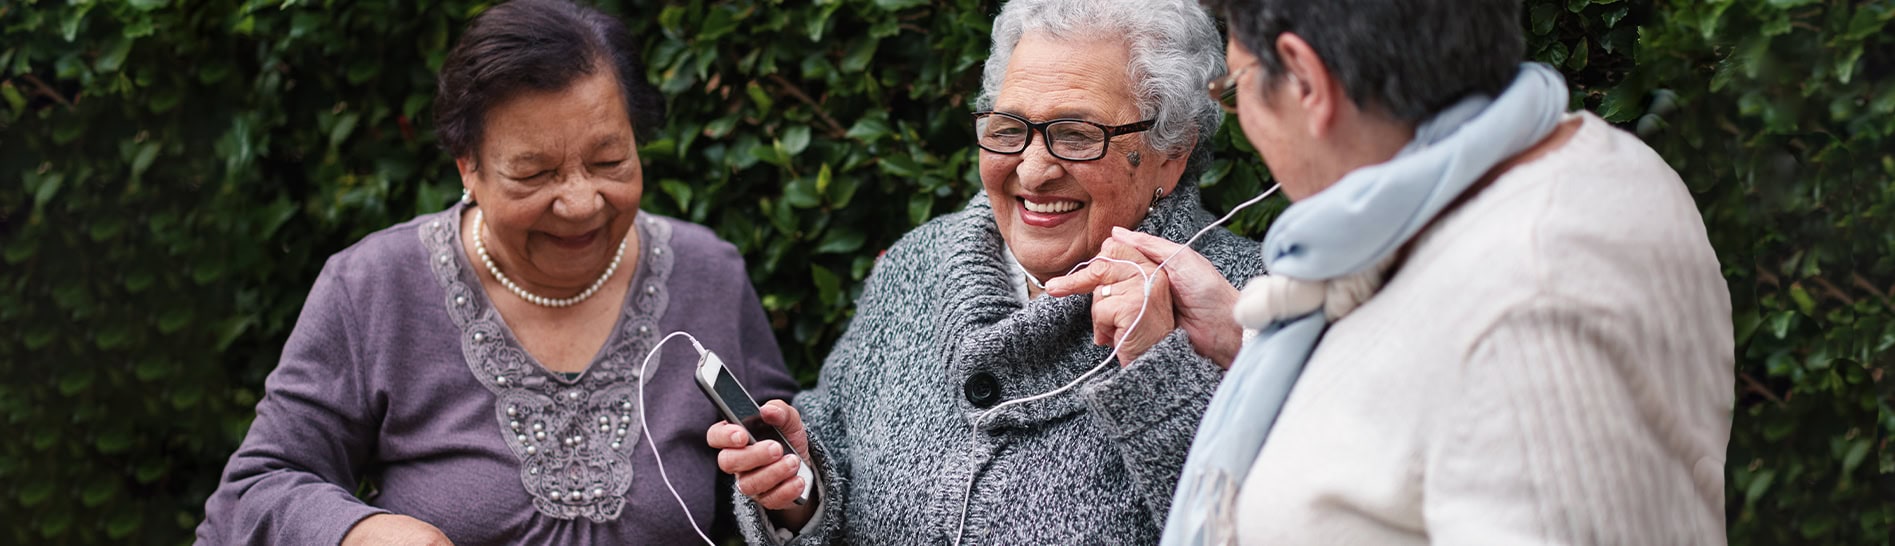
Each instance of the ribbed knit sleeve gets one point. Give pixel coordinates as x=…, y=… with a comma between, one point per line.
x=1561, y=440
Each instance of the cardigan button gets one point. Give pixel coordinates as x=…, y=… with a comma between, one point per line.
x=982, y=390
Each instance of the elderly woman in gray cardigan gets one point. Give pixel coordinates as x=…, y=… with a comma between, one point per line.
x=957, y=408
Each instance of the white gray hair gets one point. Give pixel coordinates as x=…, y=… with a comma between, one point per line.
x=1175, y=49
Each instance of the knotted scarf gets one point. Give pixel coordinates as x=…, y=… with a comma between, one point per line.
x=1333, y=246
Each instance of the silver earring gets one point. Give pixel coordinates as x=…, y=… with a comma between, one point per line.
x=1156, y=194
x=467, y=197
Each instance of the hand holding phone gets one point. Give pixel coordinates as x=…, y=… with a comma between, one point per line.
x=734, y=402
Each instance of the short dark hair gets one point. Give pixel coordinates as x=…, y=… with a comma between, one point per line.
x=535, y=45
x=1412, y=58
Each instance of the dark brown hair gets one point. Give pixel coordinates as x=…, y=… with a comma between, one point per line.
x=535, y=45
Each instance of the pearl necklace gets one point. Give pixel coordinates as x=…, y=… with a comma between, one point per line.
x=480, y=247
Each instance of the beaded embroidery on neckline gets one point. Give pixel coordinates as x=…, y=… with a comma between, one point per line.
x=575, y=437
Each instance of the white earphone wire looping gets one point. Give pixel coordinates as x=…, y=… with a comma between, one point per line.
x=1140, y=317
x=645, y=426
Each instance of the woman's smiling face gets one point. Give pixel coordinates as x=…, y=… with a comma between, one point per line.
x=1052, y=212
x=560, y=181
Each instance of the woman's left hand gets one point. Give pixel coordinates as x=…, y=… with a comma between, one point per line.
x=1116, y=280
x=1189, y=293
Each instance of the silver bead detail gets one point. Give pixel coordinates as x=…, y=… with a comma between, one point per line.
x=530, y=450
x=534, y=471
x=625, y=405
x=615, y=444
x=603, y=428
x=598, y=492
x=515, y=425
x=445, y=258
x=573, y=395
x=539, y=426
x=513, y=411
x=460, y=300
x=500, y=379
x=660, y=251
x=604, y=420
x=556, y=494
x=642, y=330
x=621, y=431
x=521, y=438
x=651, y=289
x=539, y=435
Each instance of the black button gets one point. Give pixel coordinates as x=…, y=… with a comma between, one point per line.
x=982, y=390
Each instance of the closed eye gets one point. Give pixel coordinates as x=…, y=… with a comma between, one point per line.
x=534, y=176
x=608, y=164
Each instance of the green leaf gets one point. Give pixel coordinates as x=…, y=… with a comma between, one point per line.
x=868, y=129
x=828, y=287
x=898, y=5
x=345, y=124
x=1621, y=104
x=1542, y=16
x=795, y=139
x=859, y=55
x=1759, y=484
x=1858, y=450
x=721, y=21
x=841, y=240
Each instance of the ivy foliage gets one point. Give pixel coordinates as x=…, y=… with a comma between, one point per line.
x=173, y=174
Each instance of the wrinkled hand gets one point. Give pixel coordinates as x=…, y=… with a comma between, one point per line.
x=765, y=472
x=394, y=530
x=1200, y=299
x=1116, y=280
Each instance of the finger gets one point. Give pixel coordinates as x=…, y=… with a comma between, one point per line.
x=724, y=435
x=1158, y=249
x=784, y=494
x=1079, y=282
x=748, y=458
x=787, y=420
x=765, y=478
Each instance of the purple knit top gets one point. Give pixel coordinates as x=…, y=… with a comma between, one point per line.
x=399, y=372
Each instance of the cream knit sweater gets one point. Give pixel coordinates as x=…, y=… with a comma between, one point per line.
x=1553, y=365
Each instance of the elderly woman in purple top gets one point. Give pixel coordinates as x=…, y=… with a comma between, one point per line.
x=477, y=371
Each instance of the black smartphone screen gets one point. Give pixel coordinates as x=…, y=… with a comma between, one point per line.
x=745, y=408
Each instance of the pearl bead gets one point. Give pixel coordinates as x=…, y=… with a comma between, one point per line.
x=625, y=405
x=624, y=418
x=534, y=471
x=621, y=431
x=460, y=300
x=615, y=445
x=530, y=450
x=501, y=379
x=479, y=336
x=605, y=428
x=444, y=258
x=578, y=494
x=603, y=419
x=539, y=426
x=644, y=330
x=651, y=289
x=556, y=494
x=660, y=251
x=515, y=425
x=521, y=438
x=573, y=395
x=539, y=435
x=598, y=492
x=513, y=411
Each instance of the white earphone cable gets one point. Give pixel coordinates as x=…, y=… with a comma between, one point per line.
x=1145, y=305
x=653, y=442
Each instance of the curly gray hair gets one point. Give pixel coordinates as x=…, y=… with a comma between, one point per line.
x=1175, y=49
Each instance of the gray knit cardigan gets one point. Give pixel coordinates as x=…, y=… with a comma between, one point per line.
x=939, y=334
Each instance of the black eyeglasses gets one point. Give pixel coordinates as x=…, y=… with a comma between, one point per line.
x=1068, y=139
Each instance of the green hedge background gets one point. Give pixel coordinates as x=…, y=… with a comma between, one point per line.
x=172, y=175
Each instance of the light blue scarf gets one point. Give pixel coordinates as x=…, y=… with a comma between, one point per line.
x=1349, y=227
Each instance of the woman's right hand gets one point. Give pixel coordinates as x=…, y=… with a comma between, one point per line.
x=764, y=471
x=394, y=530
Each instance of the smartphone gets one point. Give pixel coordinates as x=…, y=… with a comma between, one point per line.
x=735, y=403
